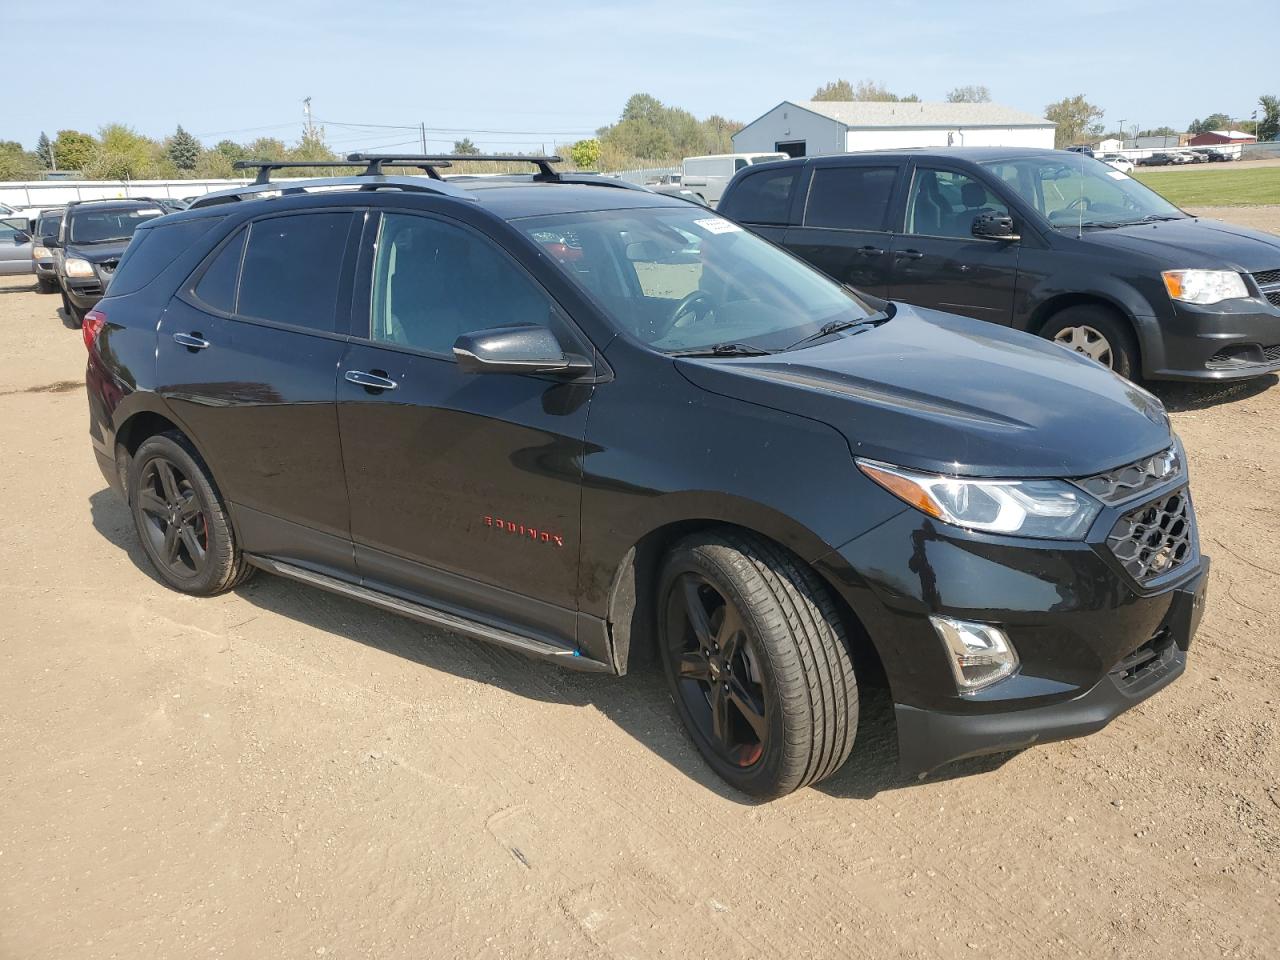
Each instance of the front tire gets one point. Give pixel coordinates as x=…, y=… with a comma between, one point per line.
x=46, y=285
x=757, y=661
x=1098, y=333
x=75, y=316
x=181, y=518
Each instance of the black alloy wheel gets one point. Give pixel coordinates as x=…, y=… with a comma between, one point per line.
x=717, y=673
x=174, y=518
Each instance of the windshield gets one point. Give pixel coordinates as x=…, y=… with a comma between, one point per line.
x=99, y=226
x=1081, y=191
x=49, y=224
x=682, y=280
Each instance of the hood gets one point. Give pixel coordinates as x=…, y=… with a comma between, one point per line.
x=1194, y=242
x=948, y=394
x=97, y=252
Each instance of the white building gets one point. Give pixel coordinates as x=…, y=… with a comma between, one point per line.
x=814, y=127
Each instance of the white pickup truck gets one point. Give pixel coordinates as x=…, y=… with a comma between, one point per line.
x=708, y=176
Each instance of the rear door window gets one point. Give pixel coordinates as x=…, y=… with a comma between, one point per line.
x=292, y=269
x=850, y=197
x=763, y=197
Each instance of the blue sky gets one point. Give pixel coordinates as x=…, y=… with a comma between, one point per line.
x=514, y=75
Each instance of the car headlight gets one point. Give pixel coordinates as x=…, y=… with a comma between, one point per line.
x=1045, y=509
x=75, y=267
x=1204, y=286
x=41, y=253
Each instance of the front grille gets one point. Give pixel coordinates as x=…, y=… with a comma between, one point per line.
x=1272, y=353
x=1243, y=356
x=1269, y=282
x=1155, y=538
x=1266, y=277
x=1123, y=483
x=1273, y=298
x=1146, y=662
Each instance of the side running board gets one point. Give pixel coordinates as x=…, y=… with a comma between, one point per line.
x=564, y=656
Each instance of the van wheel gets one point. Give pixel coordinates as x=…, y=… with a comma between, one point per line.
x=181, y=518
x=1098, y=333
x=757, y=662
x=46, y=285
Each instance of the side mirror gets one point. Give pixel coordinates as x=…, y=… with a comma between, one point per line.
x=994, y=226
x=50, y=243
x=21, y=237
x=527, y=348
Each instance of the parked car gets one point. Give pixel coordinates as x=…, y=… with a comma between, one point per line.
x=47, y=224
x=91, y=239
x=707, y=176
x=15, y=245
x=1081, y=148
x=1116, y=160
x=1044, y=241
x=594, y=424
x=1158, y=159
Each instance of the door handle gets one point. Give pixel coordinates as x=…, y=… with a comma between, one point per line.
x=370, y=381
x=908, y=254
x=192, y=341
x=870, y=251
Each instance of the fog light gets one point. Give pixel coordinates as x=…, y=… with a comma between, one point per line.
x=979, y=653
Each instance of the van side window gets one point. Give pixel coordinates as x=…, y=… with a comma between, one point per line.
x=850, y=198
x=944, y=203
x=763, y=197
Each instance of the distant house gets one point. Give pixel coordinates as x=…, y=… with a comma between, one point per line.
x=819, y=127
x=1218, y=137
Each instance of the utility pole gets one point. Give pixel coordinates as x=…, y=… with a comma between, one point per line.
x=422, y=129
x=306, y=109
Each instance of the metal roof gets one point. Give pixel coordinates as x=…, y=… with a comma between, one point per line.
x=869, y=113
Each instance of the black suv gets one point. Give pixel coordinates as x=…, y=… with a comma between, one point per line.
x=592, y=423
x=87, y=247
x=1051, y=242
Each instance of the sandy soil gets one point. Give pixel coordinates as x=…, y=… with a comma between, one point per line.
x=281, y=773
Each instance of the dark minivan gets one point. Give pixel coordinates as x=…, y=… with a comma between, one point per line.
x=1051, y=242
x=594, y=424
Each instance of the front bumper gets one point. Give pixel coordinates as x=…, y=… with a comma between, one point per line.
x=83, y=292
x=1233, y=340
x=45, y=269
x=1092, y=642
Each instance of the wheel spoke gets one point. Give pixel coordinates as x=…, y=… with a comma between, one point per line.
x=192, y=542
x=720, y=728
x=168, y=482
x=152, y=504
x=696, y=612
x=190, y=508
x=730, y=633
x=693, y=666
x=744, y=700
x=171, y=542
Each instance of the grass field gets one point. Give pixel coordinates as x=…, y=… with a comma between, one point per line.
x=1215, y=186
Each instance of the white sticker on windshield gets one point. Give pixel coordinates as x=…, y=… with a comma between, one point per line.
x=148, y=212
x=1118, y=175
x=718, y=225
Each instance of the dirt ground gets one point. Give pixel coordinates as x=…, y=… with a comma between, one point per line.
x=282, y=773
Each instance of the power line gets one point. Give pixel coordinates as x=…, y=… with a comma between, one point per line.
x=525, y=133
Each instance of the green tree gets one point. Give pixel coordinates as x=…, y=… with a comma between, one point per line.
x=311, y=146
x=465, y=148
x=1268, y=127
x=123, y=153
x=44, y=152
x=585, y=154
x=1215, y=121
x=834, y=90
x=74, y=150
x=1076, y=119
x=1159, y=132
x=17, y=163
x=265, y=148
x=973, y=93
x=184, y=150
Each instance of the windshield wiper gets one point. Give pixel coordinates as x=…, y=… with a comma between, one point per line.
x=722, y=350
x=835, y=326
x=104, y=240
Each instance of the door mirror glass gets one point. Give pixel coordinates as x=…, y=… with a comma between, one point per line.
x=520, y=349
x=994, y=226
x=21, y=237
x=50, y=243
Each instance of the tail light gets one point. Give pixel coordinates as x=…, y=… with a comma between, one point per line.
x=93, y=323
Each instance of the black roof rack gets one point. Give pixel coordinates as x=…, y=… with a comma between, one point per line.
x=265, y=167
x=363, y=181
x=376, y=160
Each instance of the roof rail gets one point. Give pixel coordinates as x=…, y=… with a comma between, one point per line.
x=363, y=181
x=376, y=160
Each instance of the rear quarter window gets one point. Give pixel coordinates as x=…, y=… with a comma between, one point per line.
x=763, y=197
x=154, y=248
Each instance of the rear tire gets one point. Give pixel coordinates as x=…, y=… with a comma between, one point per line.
x=1098, y=333
x=181, y=518
x=765, y=683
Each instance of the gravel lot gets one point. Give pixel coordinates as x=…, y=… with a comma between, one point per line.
x=282, y=773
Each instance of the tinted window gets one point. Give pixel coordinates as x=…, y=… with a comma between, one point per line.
x=97, y=225
x=153, y=249
x=851, y=198
x=433, y=282
x=763, y=197
x=217, y=287
x=944, y=203
x=48, y=226
x=292, y=268
x=9, y=230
